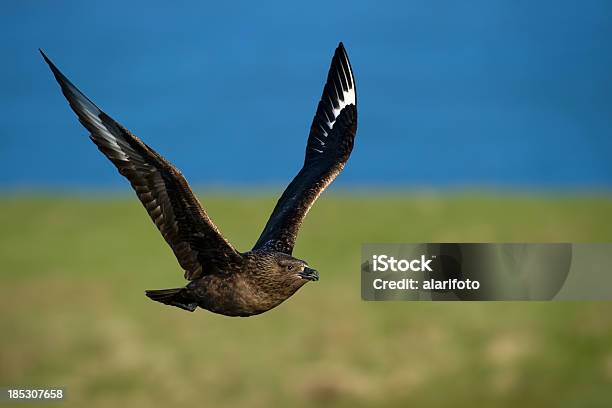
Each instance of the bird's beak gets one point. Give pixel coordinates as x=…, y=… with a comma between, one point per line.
x=309, y=274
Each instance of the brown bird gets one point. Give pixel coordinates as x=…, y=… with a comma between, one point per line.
x=221, y=279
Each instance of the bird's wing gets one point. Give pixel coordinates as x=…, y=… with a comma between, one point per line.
x=195, y=240
x=329, y=145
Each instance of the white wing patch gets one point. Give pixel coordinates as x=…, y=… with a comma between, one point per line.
x=340, y=97
x=338, y=93
x=91, y=113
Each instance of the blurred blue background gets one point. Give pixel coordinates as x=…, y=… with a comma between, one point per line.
x=497, y=94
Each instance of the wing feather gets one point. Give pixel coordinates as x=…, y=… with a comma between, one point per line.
x=329, y=146
x=196, y=242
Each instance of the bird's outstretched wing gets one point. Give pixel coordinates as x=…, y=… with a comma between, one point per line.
x=197, y=243
x=329, y=145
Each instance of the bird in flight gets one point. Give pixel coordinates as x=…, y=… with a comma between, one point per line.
x=221, y=279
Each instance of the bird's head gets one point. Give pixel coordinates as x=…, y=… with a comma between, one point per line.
x=294, y=269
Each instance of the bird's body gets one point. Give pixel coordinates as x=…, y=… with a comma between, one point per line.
x=251, y=288
x=223, y=280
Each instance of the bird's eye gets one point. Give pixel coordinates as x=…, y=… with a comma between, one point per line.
x=289, y=267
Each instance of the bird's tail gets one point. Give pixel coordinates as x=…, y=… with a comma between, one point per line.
x=175, y=297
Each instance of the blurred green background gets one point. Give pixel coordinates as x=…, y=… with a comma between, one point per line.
x=74, y=270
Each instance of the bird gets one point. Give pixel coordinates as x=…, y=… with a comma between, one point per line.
x=221, y=279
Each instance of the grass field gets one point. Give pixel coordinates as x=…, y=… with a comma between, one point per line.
x=73, y=272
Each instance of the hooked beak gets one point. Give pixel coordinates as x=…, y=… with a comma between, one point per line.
x=309, y=274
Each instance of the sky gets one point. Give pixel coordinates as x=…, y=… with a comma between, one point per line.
x=491, y=94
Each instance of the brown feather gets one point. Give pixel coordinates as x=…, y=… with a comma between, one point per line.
x=329, y=146
x=196, y=242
